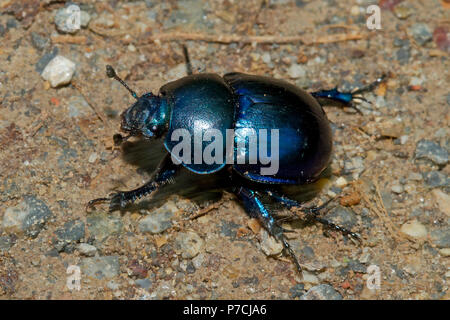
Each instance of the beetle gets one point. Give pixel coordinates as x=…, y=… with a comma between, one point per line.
x=239, y=101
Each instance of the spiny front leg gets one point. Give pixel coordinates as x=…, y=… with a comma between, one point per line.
x=163, y=174
x=255, y=209
x=312, y=213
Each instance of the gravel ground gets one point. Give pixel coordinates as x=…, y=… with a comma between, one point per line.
x=59, y=112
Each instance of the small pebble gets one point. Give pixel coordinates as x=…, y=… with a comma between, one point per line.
x=59, y=71
x=296, y=71
x=188, y=244
x=297, y=291
x=266, y=58
x=442, y=200
x=85, y=18
x=414, y=229
x=28, y=217
x=403, y=10
x=65, y=21
x=269, y=245
x=309, y=277
x=159, y=220
x=442, y=39
x=421, y=33
x=6, y=242
x=113, y=285
x=102, y=225
x=144, y=283
x=78, y=107
x=441, y=237
x=105, y=20
x=93, y=157
x=322, y=292
x=414, y=176
x=445, y=252
x=436, y=179
x=403, y=54
x=38, y=41
x=87, y=249
x=73, y=231
x=341, y=182
x=432, y=151
x=397, y=188
x=100, y=267
x=198, y=260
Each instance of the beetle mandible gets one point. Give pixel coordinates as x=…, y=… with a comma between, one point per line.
x=239, y=101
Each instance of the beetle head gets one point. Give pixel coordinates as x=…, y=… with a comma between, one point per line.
x=147, y=117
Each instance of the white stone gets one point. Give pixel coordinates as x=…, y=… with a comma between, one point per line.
x=309, y=277
x=59, y=71
x=442, y=200
x=188, y=244
x=414, y=229
x=93, y=157
x=266, y=58
x=14, y=218
x=87, y=249
x=397, y=189
x=341, y=182
x=296, y=71
x=269, y=245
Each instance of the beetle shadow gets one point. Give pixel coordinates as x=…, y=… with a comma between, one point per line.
x=202, y=189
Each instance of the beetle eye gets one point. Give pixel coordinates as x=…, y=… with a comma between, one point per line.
x=154, y=128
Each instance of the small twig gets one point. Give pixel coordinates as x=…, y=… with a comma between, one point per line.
x=98, y=113
x=69, y=39
x=206, y=210
x=225, y=39
x=381, y=212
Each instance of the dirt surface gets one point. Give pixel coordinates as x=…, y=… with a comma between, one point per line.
x=390, y=165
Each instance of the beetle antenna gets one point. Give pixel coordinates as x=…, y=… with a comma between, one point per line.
x=111, y=73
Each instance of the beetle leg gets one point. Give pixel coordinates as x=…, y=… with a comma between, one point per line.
x=334, y=97
x=163, y=175
x=256, y=209
x=312, y=213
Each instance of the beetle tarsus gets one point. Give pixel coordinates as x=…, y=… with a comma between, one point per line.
x=334, y=97
x=256, y=209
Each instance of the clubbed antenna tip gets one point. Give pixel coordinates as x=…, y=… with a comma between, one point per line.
x=111, y=73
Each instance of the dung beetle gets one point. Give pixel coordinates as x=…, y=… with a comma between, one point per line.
x=239, y=102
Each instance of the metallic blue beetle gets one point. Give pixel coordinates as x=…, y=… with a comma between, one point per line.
x=239, y=101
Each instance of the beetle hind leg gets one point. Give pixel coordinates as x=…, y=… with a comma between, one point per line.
x=256, y=209
x=313, y=213
x=334, y=97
